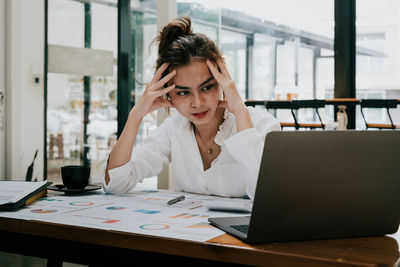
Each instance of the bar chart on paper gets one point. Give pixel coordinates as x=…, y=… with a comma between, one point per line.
x=116, y=208
x=200, y=225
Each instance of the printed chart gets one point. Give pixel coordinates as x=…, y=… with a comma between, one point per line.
x=43, y=211
x=154, y=226
x=135, y=212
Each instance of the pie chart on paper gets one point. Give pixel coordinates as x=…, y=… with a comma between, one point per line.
x=154, y=226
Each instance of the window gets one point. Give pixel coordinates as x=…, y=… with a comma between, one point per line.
x=263, y=78
x=274, y=49
x=377, y=62
x=205, y=18
x=233, y=47
x=81, y=108
x=144, y=56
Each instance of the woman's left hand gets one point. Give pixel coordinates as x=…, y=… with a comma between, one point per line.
x=233, y=102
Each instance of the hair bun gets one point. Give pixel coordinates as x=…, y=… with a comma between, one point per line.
x=176, y=28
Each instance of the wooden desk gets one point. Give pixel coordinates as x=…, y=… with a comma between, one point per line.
x=113, y=248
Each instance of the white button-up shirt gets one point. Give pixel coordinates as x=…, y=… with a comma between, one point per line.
x=233, y=173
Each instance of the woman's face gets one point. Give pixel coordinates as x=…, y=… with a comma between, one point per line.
x=196, y=93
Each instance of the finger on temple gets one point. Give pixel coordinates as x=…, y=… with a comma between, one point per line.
x=213, y=70
x=166, y=90
x=159, y=72
x=165, y=79
x=222, y=67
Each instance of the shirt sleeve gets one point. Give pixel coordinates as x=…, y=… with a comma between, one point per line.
x=147, y=160
x=246, y=147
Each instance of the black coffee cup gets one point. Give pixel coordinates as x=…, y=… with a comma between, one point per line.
x=75, y=176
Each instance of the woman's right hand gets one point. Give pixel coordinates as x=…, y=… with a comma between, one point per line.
x=151, y=100
x=152, y=97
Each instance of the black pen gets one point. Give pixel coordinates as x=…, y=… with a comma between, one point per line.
x=177, y=199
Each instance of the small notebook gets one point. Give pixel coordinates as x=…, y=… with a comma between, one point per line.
x=15, y=194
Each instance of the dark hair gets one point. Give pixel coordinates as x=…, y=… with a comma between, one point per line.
x=179, y=46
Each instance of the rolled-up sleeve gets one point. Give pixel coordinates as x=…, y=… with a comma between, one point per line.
x=147, y=160
x=246, y=147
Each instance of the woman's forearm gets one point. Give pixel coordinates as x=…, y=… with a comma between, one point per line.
x=122, y=151
x=243, y=119
x=151, y=99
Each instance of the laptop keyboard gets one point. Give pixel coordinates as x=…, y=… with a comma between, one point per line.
x=244, y=228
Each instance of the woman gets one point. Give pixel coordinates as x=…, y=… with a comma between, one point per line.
x=214, y=145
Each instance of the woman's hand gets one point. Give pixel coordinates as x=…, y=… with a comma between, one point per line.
x=233, y=100
x=152, y=97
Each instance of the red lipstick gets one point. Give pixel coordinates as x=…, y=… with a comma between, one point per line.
x=200, y=115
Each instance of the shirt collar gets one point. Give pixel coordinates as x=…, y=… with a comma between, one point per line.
x=226, y=129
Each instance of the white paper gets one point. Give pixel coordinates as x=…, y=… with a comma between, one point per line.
x=13, y=191
x=136, y=212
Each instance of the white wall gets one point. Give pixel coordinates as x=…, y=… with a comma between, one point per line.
x=2, y=90
x=25, y=101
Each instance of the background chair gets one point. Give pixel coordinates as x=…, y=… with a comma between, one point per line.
x=277, y=105
x=379, y=103
x=314, y=104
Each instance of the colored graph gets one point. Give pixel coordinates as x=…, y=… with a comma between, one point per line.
x=81, y=203
x=202, y=225
x=152, y=226
x=104, y=220
x=43, y=211
x=148, y=211
x=178, y=215
x=116, y=208
x=186, y=216
x=50, y=199
x=190, y=216
x=155, y=198
x=111, y=221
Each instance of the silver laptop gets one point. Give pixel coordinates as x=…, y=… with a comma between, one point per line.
x=322, y=185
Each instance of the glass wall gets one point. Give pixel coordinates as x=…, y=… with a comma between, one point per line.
x=264, y=55
x=205, y=18
x=143, y=56
x=276, y=50
x=378, y=56
x=234, y=48
x=81, y=108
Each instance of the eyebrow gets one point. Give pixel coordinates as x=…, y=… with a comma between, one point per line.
x=187, y=88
